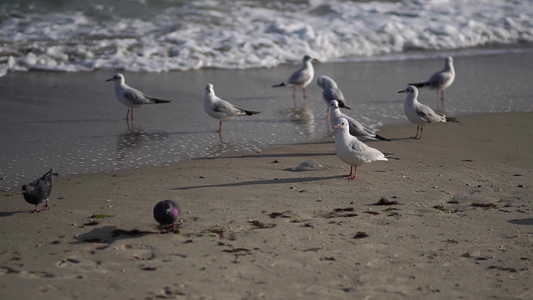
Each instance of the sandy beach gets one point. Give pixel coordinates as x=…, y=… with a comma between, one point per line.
x=455, y=223
x=449, y=216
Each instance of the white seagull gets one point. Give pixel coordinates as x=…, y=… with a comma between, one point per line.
x=221, y=109
x=131, y=97
x=352, y=151
x=331, y=92
x=419, y=113
x=302, y=77
x=440, y=80
x=355, y=128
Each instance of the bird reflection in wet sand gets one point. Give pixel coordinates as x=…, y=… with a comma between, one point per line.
x=302, y=116
x=215, y=149
x=133, y=139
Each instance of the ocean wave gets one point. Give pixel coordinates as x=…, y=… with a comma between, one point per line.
x=160, y=36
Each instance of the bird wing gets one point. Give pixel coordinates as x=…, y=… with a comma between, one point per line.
x=357, y=129
x=135, y=97
x=439, y=78
x=35, y=183
x=299, y=77
x=356, y=146
x=428, y=115
x=365, y=152
x=333, y=94
x=369, y=131
x=224, y=107
x=424, y=112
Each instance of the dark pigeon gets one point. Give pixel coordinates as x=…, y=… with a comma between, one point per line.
x=39, y=190
x=166, y=213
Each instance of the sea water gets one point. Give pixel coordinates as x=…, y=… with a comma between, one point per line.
x=168, y=35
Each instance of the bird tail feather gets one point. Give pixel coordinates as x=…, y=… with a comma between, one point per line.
x=250, y=112
x=379, y=137
x=160, y=101
x=418, y=85
x=450, y=119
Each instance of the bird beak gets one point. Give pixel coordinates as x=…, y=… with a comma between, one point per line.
x=314, y=59
x=402, y=91
x=336, y=126
x=110, y=79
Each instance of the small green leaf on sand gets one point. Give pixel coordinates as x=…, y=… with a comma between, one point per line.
x=442, y=208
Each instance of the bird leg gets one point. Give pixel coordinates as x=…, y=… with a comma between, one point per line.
x=130, y=125
x=128, y=114
x=36, y=210
x=220, y=127
x=417, y=137
x=418, y=129
x=354, y=172
x=305, y=95
x=174, y=228
x=46, y=205
x=440, y=100
x=294, y=93
x=163, y=229
x=351, y=168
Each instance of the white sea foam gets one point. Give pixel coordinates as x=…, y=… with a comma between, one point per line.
x=161, y=36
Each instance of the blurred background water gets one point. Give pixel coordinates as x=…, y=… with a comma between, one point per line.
x=165, y=35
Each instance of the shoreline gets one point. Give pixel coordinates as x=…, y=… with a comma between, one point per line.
x=251, y=228
x=73, y=123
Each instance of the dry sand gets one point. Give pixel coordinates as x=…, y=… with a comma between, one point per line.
x=253, y=229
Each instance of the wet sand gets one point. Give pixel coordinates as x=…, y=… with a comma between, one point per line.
x=456, y=223
x=73, y=123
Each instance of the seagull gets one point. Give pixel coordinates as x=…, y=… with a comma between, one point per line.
x=440, y=80
x=166, y=212
x=419, y=113
x=131, y=97
x=221, y=109
x=331, y=92
x=352, y=151
x=356, y=129
x=302, y=77
x=39, y=190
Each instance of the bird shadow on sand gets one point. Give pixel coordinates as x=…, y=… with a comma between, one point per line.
x=95, y=120
x=526, y=221
x=10, y=213
x=109, y=234
x=260, y=182
x=273, y=155
x=399, y=139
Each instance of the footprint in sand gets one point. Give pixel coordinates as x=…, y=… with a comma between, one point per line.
x=137, y=251
x=35, y=274
x=75, y=267
x=75, y=262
